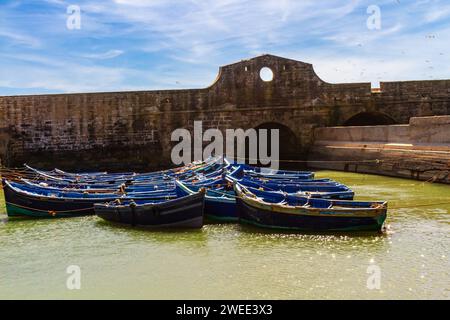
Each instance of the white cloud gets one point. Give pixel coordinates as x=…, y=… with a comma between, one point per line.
x=437, y=13
x=20, y=39
x=104, y=55
x=393, y=58
x=31, y=71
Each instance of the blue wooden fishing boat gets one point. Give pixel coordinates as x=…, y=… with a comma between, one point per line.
x=100, y=188
x=196, y=170
x=220, y=202
x=102, y=177
x=277, y=210
x=41, y=189
x=184, y=211
x=277, y=174
x=325, y=190
x=57, y=175
x=38, y=202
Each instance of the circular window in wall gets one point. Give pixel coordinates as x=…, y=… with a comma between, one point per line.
x=266, y=74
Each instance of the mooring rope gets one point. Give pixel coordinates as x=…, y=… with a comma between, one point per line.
x=20, y=172
x=312, y=161
x=56, y=212
x=421, y=205
x=13, y=170
x=51, y=212
x=390, y=208
x=4, y=169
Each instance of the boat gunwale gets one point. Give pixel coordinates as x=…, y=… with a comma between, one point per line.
x=170, y=201
x=81, y=199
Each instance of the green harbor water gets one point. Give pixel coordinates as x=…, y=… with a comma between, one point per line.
x=224, y=261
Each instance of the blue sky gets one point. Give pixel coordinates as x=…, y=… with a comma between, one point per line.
x=168, y=44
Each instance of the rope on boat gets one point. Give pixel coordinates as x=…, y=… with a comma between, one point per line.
x=50, y=212
x=23, y=172
x=238, y=197
x=314, y=161
x=20, y=172
x=421, y=205
x=390, y=208
x=54, y=213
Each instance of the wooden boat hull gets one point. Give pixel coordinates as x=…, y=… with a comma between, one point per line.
x=26, y=203
x=262, y=217
x=219, y=206
x=18, y=204
x=221, y=209
x=184, y=212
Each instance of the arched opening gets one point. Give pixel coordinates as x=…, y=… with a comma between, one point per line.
x=288, y=145
x=369, y=119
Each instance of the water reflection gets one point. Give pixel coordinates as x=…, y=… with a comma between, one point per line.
x=333, y=243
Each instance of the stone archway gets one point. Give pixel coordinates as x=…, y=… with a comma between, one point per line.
x=369, y=119
x=289, y=148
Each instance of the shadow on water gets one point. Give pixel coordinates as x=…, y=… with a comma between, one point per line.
x=103, y=223
x=245, y=228
x=182, y=236
x=28, y=222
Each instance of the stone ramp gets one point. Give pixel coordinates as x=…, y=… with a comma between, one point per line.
x=420, y=150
